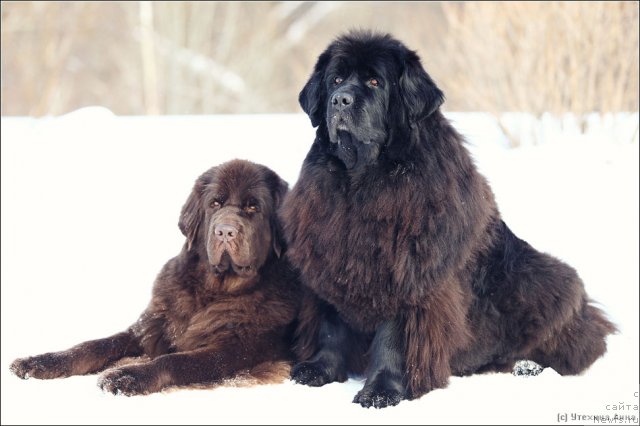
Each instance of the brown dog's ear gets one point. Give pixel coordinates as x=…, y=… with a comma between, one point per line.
x=191, y=214
x=312, y=96
x=419, y=93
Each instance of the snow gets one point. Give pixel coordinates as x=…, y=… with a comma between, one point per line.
x=90, y=205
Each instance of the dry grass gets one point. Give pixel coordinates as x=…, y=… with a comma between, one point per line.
x=235, y=57
x=559, y=57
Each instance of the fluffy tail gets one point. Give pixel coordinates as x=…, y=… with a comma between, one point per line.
x=579, y=343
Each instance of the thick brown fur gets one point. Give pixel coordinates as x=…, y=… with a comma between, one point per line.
x=399, y=240
x=221, y=310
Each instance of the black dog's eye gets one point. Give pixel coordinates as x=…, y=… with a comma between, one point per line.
x=251, y=208
x=338, y=80
x=215, y=203
x=374, y=82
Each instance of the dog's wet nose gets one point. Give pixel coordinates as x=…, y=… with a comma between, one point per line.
x=342, y=100
x=225, y=232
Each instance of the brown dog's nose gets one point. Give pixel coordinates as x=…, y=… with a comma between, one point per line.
x=225, y=232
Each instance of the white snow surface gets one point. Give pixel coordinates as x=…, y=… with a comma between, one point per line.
x=90, y=205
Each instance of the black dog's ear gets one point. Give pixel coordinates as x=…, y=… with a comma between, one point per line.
x=419, y=93
x=312, y=97
x=191, y=214
x=279, y=191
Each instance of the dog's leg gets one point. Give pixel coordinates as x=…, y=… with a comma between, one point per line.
x=329, y=364
x=433, y=332
x=384, y=385
x=202, y=366
x=86, y=358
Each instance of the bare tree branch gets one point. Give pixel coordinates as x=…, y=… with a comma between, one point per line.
x=148, y=54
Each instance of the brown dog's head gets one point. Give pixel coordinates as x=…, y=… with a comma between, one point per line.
x=230, y=216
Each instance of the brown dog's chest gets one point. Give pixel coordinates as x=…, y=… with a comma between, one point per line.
x=196, y=321
x=214, y=319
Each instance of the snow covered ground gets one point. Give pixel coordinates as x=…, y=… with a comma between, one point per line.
x=90, y=205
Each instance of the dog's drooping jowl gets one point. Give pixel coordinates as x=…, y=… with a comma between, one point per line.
x=411, y=274
x=223, y=307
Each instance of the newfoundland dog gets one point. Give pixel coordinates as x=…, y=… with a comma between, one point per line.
x=224, y=306
x=411, y=274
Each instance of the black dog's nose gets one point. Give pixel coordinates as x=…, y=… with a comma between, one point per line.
x=342, y=100
x=225, y=232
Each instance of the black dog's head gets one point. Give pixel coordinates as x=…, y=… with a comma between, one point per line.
x=362, y=86
x=230, y=216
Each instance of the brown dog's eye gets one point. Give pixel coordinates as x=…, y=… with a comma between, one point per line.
x=215, y=204
x=338, y=80
x=374, y=82
x=251, y=209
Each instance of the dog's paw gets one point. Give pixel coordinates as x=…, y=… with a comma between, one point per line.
x=385, y=390
x=45, y=366
x=378, y=397
x=122, y=381
x=526, y=368
x=315, y=374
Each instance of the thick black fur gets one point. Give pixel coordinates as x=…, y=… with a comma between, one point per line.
x=411, y=274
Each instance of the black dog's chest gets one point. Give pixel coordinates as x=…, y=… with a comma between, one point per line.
x=353, y=236
x=350, y=263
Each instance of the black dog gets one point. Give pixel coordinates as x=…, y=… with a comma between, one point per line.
x=413, y=274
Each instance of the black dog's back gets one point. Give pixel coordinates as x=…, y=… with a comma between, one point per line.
x=530, y=305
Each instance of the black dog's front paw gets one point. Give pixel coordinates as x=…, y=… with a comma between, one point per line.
x=316, y=373
x=123, y=381
x=383, y=391
x=378, y=398
x=45, y=366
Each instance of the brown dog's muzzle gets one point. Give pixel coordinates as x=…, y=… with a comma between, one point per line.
x=228, y=245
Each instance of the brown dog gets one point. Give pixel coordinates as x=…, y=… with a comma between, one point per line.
x=223, y=306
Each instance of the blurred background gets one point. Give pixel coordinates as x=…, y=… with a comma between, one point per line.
x=146, y=58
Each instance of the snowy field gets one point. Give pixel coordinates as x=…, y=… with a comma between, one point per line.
x=90, y=206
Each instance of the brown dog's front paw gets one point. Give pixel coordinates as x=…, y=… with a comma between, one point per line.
x=132, y=380
x=123, y=381
x=21, y=368
x=46, y=366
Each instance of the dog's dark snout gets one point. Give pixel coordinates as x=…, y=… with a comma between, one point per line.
x=225, y=232
x=342, y=100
